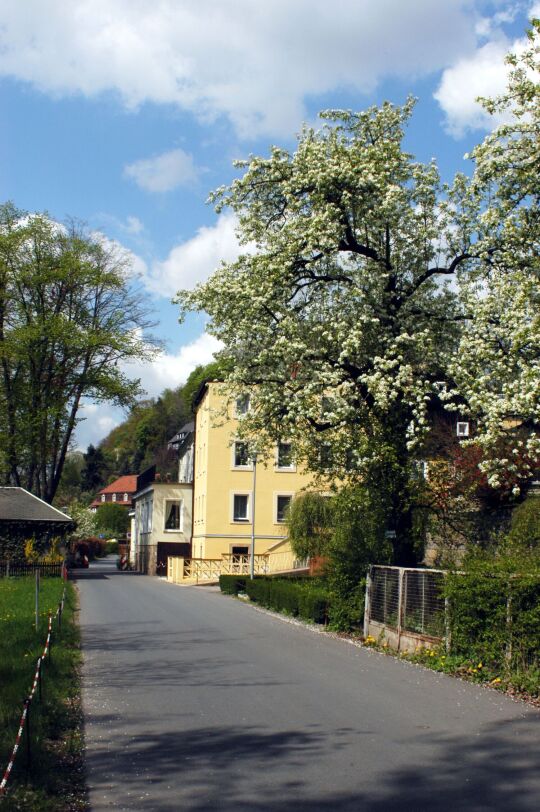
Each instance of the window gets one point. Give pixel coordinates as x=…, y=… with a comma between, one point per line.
x=350, y=459
x=126, y=497
x=103, y=497
x=241, y=507
x=242, y=405
x=283, y=502
x=284, y=455
x=114, y=497
x=326, y=406
x=462, y=429
x=326, y=456
x=241, y=455
x=173, y=514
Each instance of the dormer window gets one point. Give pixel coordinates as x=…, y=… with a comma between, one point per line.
x=103, y=497
x=114, y=497
x=462, y=428
x=126, y=497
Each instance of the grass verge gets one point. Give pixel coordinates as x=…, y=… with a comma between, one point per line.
x=520, y=684
x=54, y=782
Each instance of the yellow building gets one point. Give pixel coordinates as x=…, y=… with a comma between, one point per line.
x=223, y=493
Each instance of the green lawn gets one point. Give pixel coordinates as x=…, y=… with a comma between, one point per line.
x=55, y=780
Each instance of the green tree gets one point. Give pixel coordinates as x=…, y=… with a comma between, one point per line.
x=68, y=321
x=340, y=322
x=112, y=519
x=94, y=471
x=309, y=524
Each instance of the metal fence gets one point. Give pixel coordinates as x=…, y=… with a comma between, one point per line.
x=13, y=569
x=405, y=601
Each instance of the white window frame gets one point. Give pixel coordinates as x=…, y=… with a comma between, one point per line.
x=277, y=494
x=126, y=497
x=236, y=467
x=114, y=497
x=179, y=529
x=292, y=466
x=462, y=428
x=103, y=497
x=237, y=412
x=247, y=520
x=332, y=451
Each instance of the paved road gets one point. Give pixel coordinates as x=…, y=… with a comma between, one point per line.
x=195, y=701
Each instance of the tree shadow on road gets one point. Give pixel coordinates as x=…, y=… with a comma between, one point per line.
x=248, y=769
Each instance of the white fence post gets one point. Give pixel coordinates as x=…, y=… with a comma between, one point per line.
x=367, y=603
x=401, y=573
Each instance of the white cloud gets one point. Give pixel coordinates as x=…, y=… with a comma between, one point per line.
x=133, y=225
x=164, y=172
x=482, y=74
x=167, y=371
x=194, y=260
x=253, y=62
x=170, y=370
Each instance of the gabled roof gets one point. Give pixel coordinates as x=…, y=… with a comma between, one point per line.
x=19, y=505
x=180, y=435
x=124, y=484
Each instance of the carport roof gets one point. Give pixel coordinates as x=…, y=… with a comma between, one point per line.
x=19, y=505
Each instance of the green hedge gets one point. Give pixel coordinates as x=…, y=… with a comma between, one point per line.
x=496, y=618
x=300, y=598
x=232, y=584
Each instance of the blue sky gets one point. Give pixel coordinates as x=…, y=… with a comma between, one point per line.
x=126, y=113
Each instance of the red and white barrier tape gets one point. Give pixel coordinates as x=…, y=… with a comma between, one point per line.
x=9, y=767
x=24, y=714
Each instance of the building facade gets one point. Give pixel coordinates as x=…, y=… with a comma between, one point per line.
x=228, y=493
x=121, y=492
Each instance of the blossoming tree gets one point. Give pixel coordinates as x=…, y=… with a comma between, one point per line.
x=497, y=365
x=337, y=317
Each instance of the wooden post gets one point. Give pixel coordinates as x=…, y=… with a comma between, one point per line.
x=37, y=599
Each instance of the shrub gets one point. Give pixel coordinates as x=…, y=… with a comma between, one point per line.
x=232, y=584
x=495, y=610
x=299, y=597
x=313, y=605
x=525, y=528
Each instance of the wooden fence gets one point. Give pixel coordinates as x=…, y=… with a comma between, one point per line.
x=207, y=570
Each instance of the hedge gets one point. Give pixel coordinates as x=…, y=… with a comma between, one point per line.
x=495, y=617
x=232, y=584
x=299, y=598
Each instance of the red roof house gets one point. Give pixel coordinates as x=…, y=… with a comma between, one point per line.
x=120, y=491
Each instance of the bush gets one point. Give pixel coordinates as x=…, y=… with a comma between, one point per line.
x=525, y=528
x=111, y=547
x=495, y=611
x=232, y=584
x=300, y=597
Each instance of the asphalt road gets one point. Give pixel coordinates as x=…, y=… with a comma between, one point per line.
x=196, y=701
